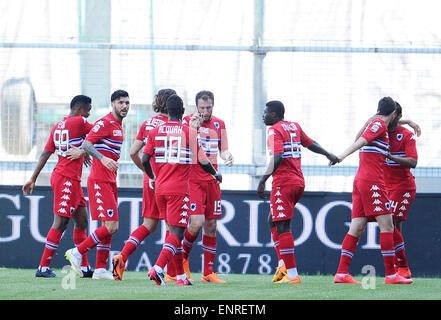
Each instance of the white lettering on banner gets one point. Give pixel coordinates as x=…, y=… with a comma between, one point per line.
x=254, y=223
x=371, y=236
x=320, y=223
x=15, y=219
x=229, y=214
x=33, y=218
x=134, y=211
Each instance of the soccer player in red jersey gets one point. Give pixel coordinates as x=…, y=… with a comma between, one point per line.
x=205, y=192
x=150, y=212
x=400, y=183
x=69, y=201
x=284, y=140
x=103, y=143
x=174, y=148
x=369, y=196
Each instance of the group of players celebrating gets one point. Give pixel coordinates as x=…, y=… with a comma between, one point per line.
x=182, y=186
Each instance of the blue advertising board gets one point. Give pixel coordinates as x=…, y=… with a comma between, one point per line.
x=244, y=244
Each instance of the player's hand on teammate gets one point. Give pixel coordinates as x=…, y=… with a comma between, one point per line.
x=416, y=128
x=74, y=153
x=195, y=121
x=152, y=184
x=28, y=187
x=110, y=164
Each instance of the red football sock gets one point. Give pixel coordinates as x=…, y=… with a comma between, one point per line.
x=177, y=262
x=209, y=250
x=169, y=248
x=171, y=267
x=92, y=240
x=286, y=249
x=275, y=238
x=347, y=252
x=102, y=252
x=400, y=253
x=52, y=240
x=388, y=251
x=135, y=239
x=187, y=243
x=79, y=235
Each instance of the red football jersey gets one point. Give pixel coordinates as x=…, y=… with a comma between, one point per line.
x=107, y=136
x=174, y=148
x=287, y=137
x=213, y=139
x=402, y=144
x=143, y=133
x=373, y=155
x=65, y=134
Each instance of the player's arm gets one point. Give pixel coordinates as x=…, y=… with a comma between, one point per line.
x=360, y=132
x=408, y=162
x=273, y=164
x=225, y=154
x=29, y=186
x=416, y=128
x=208, y=167
x=147, y=166
x=110, y=164
x=316, y=148
x=360, y=142
x=134, y=153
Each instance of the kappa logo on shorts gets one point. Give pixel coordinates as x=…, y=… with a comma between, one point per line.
x=63, y=204
x=98, y=194
x=186, y=199
x=406, y=195
x=67, y=183
x=378, y=209
x=193, y=206
x=375, y=187
x=183, y=220
x=65, y=197
x=99, y=200
x=97, y=187
x=184, y=214
x=110, y=213
x=67, y=190
x=184, y=206
x=375, y=195
x=405, y=201
x=377, y=201
x=402, y=208
x=280, y=208
x=279, y=200
x=278, y=193
x=281, y=215
x=62, y=210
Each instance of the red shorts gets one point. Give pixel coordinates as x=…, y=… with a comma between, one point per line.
x=283, y=199
x=149, y=207
x=103, y=200
x=369, y=199
x=173, y=209
x=400, y=202
x=68, y=195
x=205, y=199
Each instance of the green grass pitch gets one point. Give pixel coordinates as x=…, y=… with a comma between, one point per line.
x=21, y=284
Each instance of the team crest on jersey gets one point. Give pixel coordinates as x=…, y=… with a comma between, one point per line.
x=217, y=125
x=399, y=136
x=110, y=213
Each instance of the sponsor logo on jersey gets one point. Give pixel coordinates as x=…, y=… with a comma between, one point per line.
x=117, y=133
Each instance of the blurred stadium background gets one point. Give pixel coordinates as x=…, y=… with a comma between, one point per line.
x=328, y=61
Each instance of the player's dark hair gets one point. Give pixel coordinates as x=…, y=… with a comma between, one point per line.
x=386, y=106
x=80, y=100
x=398, y=109
x=277, y=107
x=161, y=97
x=175, y=106
x=118, y=94
x=204, y=95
